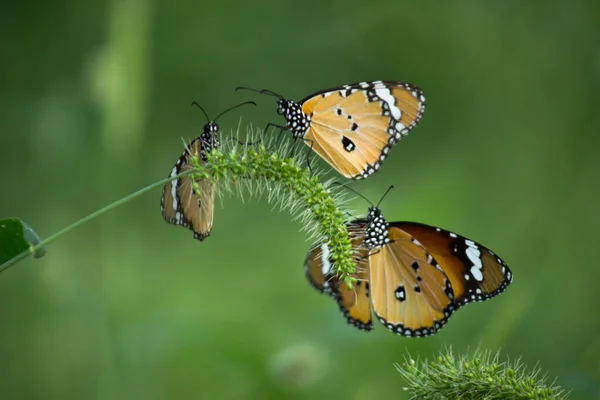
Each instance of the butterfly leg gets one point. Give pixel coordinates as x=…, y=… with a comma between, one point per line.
x=308, y=153
x=272, y=125
x=372, y=253
x=269, y=125
x=281, y=129
x=264, y=131
x=243, y=143
x=290, y=153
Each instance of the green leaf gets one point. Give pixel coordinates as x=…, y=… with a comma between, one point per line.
x=15, y=238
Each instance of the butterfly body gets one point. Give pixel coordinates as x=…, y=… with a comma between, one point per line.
x=180, y=204
x=209, y=139
x=414, y=276
x=187, y=201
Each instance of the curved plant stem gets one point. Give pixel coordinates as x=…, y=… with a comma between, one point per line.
x=305, y=196
x=310, y=198
x=82, y=221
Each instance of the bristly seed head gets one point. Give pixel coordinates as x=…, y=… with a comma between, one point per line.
x=242, y=169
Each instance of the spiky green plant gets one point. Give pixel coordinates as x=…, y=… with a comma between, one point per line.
x=257, y=169
x=263, y=168
x=476, y=377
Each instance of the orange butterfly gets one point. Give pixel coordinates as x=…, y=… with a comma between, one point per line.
x=413, y=275
x=353, y=127
x=179, y=203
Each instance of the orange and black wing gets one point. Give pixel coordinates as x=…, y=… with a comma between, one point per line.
x=353, y=127
x=476, y=272
x=410, y=293
x=179, y=203
x=354, y=303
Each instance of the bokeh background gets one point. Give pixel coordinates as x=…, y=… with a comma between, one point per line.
x=95, y=98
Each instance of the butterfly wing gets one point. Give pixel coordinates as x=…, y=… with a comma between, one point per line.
x=354, y=303
x=476, y=272
x=353, y=127
x=179, y=203
x=411, y=295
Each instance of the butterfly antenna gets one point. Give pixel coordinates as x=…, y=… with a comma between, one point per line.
x=203, y=110
x=263, y=91
x=233, y=108
x=353, y=190
x=271, y=93
x=385, y=194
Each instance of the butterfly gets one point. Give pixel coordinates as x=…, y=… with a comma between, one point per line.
x=353, y=127
x=180, y=204
x=414, y=276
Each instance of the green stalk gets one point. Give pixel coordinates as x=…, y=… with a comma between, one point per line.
x=309, y=197
x=82, y=221
x=258, y=169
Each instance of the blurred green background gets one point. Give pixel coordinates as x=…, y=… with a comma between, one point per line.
x=95, y=98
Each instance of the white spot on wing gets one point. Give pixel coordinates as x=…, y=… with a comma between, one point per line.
x=476, y=272
x=325, y=264
x=174, y=185
x=473, y=255
x=386, y=95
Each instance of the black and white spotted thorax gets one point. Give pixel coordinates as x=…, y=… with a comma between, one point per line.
x=209, y=139
x=295, y=119
x=377, y=229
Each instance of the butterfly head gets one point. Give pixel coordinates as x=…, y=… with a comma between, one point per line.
x=296, y=120
x=209, y=138
x=211, y=128
x=377, y=229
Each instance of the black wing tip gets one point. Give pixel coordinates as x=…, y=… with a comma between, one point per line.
x=201, y=235
x=471, y=297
